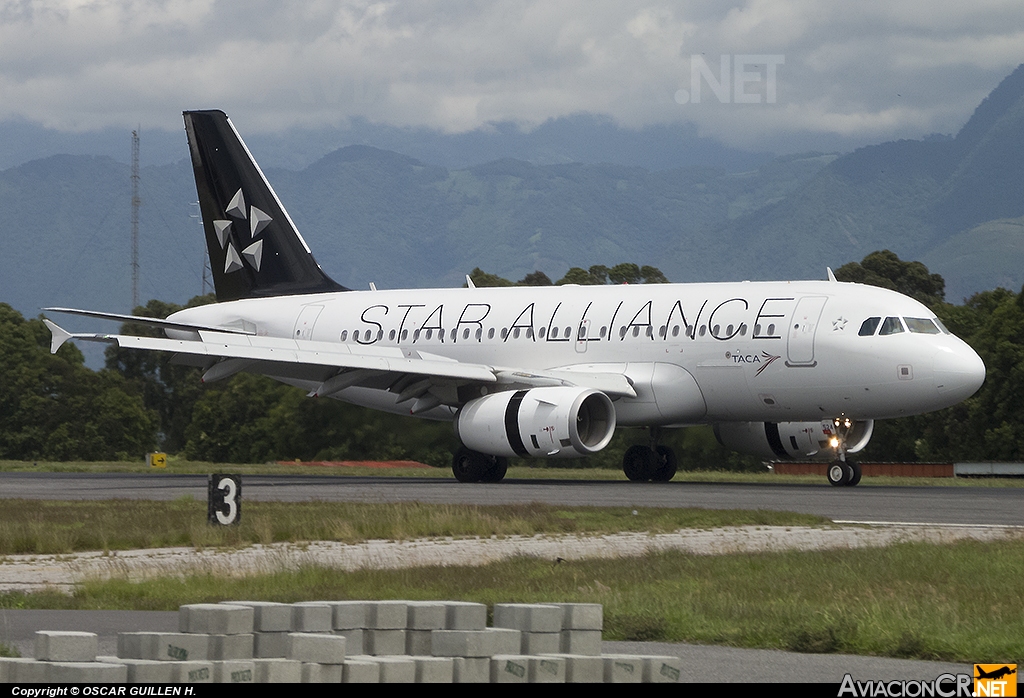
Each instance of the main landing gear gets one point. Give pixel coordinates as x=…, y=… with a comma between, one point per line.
x=842, y=472
x=473, y=466
x=653, y=462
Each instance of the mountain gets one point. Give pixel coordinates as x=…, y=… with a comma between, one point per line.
x=934, y=199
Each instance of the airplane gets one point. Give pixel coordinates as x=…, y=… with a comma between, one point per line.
x=782, y=370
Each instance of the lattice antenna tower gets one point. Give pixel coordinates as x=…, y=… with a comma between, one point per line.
x=135, y=219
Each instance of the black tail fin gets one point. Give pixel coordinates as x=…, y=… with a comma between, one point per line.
x=255, y=249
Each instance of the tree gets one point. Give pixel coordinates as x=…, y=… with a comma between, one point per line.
x=53, y=407
x=884, y=268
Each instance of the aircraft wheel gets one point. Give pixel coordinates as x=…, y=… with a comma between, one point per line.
x=496, y=471
x=666, y=464
x=855, y=469
x=469, y=466
x=639, y=463
x=839, y=473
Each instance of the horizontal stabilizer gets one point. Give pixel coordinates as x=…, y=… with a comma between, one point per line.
x=155, y=322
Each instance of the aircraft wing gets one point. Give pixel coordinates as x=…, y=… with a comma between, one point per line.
x=336, y=366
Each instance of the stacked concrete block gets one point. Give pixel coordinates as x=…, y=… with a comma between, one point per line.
x=434, y=669
x=312, y=617
x=540, y=625
x=526, y=669
x=465, y=615
x=271, y=624
x=581, y=628
x=471, y=669
x=423, y=618
x=193, y=671
x=165, y=647
x=86, y=672
x=396, y=669
x=662, y=669
x=475, y=643
x=385, y=628
x=317, y=648
x=349, y=621
x=321, y=673
x=234, y=671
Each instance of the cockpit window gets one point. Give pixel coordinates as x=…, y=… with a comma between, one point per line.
x=869, y=326
x=945, y=330
x=921, y=325
x=891, y=325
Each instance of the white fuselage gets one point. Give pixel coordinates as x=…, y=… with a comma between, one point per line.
x=695, y=353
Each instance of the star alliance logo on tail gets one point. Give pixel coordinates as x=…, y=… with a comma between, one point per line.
x=258, y=221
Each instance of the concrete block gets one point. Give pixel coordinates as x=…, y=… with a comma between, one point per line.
x=621, y=668
x=360, y=669
x=25, y=670
x=321, y=673
x=312, y=617
x=397, y=669
x=168, y=647
x=509, y=668
x=383, y=642
x=234, y=672
x=316, y=648
x=348, y=615
x=193, y=672
x=465, y=615
x=541, y=643
x=417, y=642
x=268, y=645
x=548, y=669
x=426, y=615
x=230, y=647
x=462, y=643
x=434, y=669
x=58, y=646
x=386, y=615
x=215, y=619
x=471, y=669
x=534, y=618
x=86, y=672
x=662, y=669
x=353, y=640
x=143, y=670
x=277, y=671
x=580, y=669
x=585, y=642
x=582, y=616
x=506, y=640
x=268, y=616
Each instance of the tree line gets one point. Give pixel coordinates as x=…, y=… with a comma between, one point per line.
x=53, y=407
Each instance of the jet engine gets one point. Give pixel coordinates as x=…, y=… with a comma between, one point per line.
x=791, y=440
x=551, y=422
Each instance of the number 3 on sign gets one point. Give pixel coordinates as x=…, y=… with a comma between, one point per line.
x=224, y=501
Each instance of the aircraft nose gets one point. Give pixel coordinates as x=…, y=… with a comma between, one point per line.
x=959, y=372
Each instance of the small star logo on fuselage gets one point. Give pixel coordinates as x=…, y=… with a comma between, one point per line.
x=839, y=324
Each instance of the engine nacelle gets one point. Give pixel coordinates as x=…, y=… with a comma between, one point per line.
x=790, y=440
x=555, y=422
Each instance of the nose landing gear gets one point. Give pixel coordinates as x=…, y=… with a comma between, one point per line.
x=842, y=472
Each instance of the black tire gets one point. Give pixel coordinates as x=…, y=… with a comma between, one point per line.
x=666, y=464
x=839, y=473
x=468, y=466
x=496, y=471
x=639, y=463
x=855, y=468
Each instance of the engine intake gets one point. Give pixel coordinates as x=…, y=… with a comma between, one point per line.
x=790, y=440
x=555, y=422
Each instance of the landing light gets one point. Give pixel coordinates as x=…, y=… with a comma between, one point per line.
x=833, y=442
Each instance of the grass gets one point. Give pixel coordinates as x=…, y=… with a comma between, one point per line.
x=545, y=472
x=53, y=527
x=960, y=602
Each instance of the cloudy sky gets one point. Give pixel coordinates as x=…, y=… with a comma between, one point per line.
x=778, y=75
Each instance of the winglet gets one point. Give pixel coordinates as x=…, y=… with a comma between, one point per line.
x=831, y=276
x=469, y=282
x=58, y=336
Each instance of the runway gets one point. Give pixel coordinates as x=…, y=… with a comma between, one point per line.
x=996, y=506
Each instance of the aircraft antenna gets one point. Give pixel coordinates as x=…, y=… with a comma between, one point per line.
x=135, y=220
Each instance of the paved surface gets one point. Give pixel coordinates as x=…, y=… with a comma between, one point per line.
x=952, y=505
x=701, y=663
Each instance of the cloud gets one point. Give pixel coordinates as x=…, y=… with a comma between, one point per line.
x=868, y=70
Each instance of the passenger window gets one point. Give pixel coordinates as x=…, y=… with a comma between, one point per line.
x=344, y=335
x=490, y=333
x=891, y=325
x=465, y=334
x=604, y=331
x=920, y=325
x=479, y=333
x=675, y=330
x=541, y=331
x=869, y=326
